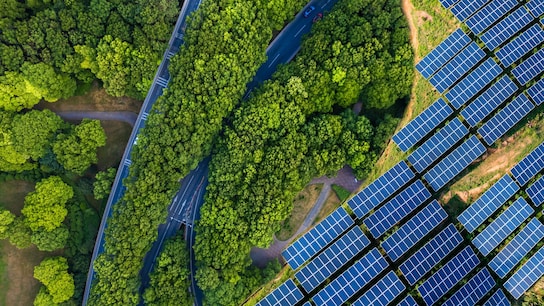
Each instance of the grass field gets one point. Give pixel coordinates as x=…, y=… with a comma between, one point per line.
x=304, y=201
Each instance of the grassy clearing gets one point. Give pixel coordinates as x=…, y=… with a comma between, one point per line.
x=117, y=134
x=329, y=206
x=304, y=201
x=12, y=194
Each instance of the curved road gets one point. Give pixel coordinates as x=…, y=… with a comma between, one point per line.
x=125, y=116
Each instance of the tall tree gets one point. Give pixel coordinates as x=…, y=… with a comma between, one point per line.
x=59, y=284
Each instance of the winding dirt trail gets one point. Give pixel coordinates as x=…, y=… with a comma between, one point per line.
x=407, y=9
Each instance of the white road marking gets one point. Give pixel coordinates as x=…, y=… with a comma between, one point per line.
x=323, y=6
x=300, y=30
x=272, y=62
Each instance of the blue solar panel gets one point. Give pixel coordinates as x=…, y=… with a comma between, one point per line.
x=529, y=166
x=454, y=163
x=437, y=145
x=316, y=239
x=506, y=28
x=536, y=192
x=536, y=92
x=330, y=260
x=352, y=280
x=505, y=119
x=408, y=301
x=424, y=123
x=530, y=68
x=498, y=299
x=457, y=67
x=503, y=226
x=379, y=190
x=536, y=7
x=430, y=254
x=517, y=248
x=383, y=292
x=285, y=295
x=395, y=210
x=473, y=291
x=414, y=230
x=473, y=83
x=450, y=274
x=527, y=275
x=488, y=203
x=522, y=44
x=489, y=14
x=445, y=51
x=464, y=8
x=489, y=100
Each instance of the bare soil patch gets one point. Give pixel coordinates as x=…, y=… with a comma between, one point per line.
x=117, y=133
x=303, y=203
x=12, y=194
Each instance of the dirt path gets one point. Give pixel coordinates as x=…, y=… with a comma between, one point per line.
x=125, y=116
x=407, y=9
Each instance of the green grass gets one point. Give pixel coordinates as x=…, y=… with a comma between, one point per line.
x=342, y=193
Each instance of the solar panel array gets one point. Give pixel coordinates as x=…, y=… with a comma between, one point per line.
x=454, y=163
x=536, y=92
x=408, y=301
x=379, y=190
x=383, y=292
x=505, y=119
x=330, y=260
x=498, y=299
x=352, y=280
x=450, y=274
x=316, y=239
x=529, y=166
x=489, y=14
x=448, y=3
x=527, y=41
x=395, y=210
x=430, y=254
x=529, y=68
x=414, y=230
x=473, y=291
x=443, y=53
x=527, y=275
x=488, y=203
x=489, y=100
x=503, y=226
x=287, y=294
x=422, y=125
x=457, y=67
x=464, y=8
x=536, y=192
x=517, y=248
x=506, y=28
x=536, y=7
x=473, y=83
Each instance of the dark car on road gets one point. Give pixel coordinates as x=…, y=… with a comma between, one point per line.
x=308, y=11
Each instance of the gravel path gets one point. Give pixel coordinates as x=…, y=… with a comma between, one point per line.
x=125, y=116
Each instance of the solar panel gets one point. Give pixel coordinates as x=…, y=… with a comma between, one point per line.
x=527, y=275
x=352, y=280
x=506, y=28
x=285, y=295
x=316, y=239
x=505, y=119
x=489, y=14
x=536, y=192
x=408, y=301
x=473, y=291
x=307, y=304
x=379, y=190
x=424, y=123
x=527, y=41
x=498, y=299
x=430, y=254
x=457, y=67
x=450, y=274
x=529, y=68
x=489, y=100
x=437, y=145
x=536, y=92
x=517, y=248
x=503, y=226
x=488, y=203
x=414, y=230
x=383, y=292
x=454, y=163
x=332, y=258
x=473, y=83
x=448, y=3
x=536, y=7
x=445, y=51
x=529, y=166
x=464, y=8
x=395, y=210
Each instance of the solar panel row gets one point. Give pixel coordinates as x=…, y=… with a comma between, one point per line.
x=473, y=291
x=489, y=100
x=424, y=123
x=397, y=208
x=408, y=301
x=379, y=190
x=383, y=292
x=516, y=249
x=498, y=299
x=287, y=294
x=527, y=41
x=536, y=92
x=316, y=239
x=503, y=226
x=430, y=254
x=529, y=166
x=330, y=260
x=464, y=8
x=488, y=203
x=536, y=192
x=529, y=68
x=505, y=119
x=527, y=275
x=454, y=163
x=448, y=3
x=536, y=7
x=414, y=230
x=489, y=14
x=506, y=28
x=450, y=274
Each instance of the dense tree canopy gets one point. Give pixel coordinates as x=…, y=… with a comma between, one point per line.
x=103, y=183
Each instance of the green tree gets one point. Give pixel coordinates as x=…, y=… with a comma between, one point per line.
x=20, y=234
x=43, y=81
x=6, y=219
x=103, y=183
x=51, y=240
x=53, y=274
